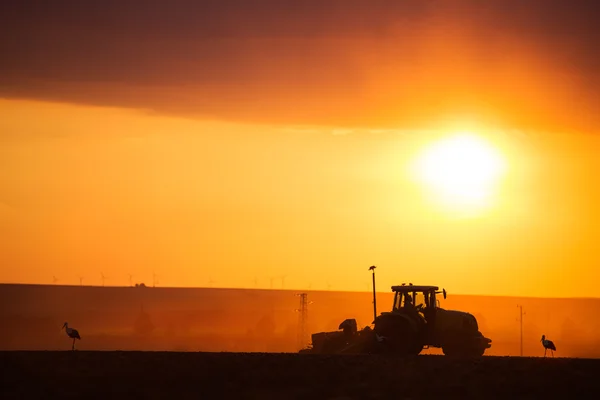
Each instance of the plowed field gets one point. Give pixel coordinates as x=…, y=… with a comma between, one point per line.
x=127, y=375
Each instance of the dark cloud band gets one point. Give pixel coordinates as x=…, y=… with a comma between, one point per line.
x=376, y=63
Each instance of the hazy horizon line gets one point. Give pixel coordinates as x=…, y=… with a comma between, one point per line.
x=284, y=290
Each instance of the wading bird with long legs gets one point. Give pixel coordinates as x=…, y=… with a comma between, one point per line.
x=548, y=345
x=72, y=333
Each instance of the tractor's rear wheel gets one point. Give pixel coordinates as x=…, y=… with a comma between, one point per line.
x=416, y=349
x=398, y=336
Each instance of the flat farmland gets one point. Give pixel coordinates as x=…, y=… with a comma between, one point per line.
x=187, y=375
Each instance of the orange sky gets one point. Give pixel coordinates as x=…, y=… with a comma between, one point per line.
x=207, y=144
x=86, y=190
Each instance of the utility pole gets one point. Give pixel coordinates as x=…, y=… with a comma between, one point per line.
x=521, y=313
x=372, y=268
x=302, y=320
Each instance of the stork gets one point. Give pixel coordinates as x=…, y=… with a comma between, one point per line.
x=72, y=333
x=548, y=345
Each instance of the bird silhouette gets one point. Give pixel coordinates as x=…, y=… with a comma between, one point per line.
x=548, y=345
x=72, y=333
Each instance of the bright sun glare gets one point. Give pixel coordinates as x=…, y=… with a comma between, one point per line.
x=461, y=171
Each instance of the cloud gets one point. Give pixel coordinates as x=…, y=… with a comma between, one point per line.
x=379, y=64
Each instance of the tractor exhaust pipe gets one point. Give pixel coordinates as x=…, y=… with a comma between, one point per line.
x=372, y=268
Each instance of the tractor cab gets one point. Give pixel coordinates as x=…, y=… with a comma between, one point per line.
x=419, y=298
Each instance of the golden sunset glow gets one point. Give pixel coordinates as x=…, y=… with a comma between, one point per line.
x=231, y=144
x=461, y=171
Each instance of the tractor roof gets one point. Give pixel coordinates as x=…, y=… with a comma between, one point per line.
x=413, y=288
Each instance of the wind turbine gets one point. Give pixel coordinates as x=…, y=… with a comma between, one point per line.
x=282, y=277
x=130, y=279
x=103, y=278
x=210, y=281
x=81, y=281
x=54, y=280
x=154, y=279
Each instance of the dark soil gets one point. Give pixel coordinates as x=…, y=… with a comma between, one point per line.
x=154, y=375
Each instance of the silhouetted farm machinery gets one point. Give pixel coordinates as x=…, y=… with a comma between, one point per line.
x=415, y=322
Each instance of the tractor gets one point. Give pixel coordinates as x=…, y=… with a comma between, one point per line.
x=416, y=321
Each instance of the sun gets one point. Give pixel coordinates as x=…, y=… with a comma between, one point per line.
x=460, y=171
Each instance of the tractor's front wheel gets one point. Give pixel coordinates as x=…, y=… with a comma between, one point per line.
x=477, y=352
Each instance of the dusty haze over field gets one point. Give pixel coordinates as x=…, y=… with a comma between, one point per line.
x=262, y=320
x=231, y=143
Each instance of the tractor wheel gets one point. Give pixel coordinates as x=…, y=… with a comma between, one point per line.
x=399, y=337
x=416, y=349
x=477, y=352
x=450, y=351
